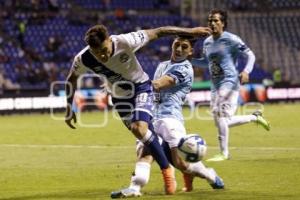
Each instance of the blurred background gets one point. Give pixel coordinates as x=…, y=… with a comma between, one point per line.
x=39, y=38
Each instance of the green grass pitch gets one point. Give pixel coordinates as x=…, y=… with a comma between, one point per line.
x=41, y=158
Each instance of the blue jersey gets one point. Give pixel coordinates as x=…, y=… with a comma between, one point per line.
x=170, y=101
x=222, y=54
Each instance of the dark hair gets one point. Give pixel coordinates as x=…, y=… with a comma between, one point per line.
x=222, y=13
x=96, y=35
x=191, y=39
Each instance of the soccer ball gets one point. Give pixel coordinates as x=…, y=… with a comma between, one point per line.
x=192, y=148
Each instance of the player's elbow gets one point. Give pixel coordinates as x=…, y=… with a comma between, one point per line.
x=152, y=34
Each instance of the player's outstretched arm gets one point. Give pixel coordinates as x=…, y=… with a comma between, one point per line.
x=163, y=82
x=173, y=30
x=70, y=88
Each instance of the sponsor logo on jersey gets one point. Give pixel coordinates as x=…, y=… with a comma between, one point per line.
x=141, y=36
x=133, y=36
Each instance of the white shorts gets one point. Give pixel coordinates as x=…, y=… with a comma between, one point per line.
x=224, y=102
x=169, y=130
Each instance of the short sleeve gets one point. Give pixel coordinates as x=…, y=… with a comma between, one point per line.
x=179, y=73
x=239, y=44
x=77, y=67
x=135, y=40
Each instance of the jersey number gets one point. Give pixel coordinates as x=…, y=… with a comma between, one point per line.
x=142, y=98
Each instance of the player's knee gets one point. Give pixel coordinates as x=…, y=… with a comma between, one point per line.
x=224, y=110
x=181, y=167
x=180, y=164
x=139, y=129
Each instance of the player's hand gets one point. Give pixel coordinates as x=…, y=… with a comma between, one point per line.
x=244, y=77
x=201, y=31
x=155, y=85
x=70, y=115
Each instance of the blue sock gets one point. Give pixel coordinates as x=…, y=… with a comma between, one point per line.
x=167, y=151
x=151, y=141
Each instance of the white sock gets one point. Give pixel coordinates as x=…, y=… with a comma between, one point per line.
x=147, y=136
x=199, y=169
x=223, y=135
x=141, y=175
x=240, y=119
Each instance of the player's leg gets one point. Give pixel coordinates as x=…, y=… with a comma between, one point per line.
x=142, y=128
x=256, y=116
x=221, y=109
x=149, y=138
x=198, y=169
x=140, y=176
x=236, y=120
x=225, y=102
x=261, y=121
x=136, y=115
x=172, y=131
x=191, y=170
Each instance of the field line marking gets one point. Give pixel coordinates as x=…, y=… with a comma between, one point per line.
x=66, y=146
x=131, y=147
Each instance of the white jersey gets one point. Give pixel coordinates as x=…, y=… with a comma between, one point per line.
x=122, y=70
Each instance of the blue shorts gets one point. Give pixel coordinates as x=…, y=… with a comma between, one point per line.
x=137, y=108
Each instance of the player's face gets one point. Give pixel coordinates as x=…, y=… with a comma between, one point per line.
x=215, y=23
x=181, y=49
x=104, y=52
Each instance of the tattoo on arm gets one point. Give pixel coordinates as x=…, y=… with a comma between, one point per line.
x=172, y=30
x=166, y=31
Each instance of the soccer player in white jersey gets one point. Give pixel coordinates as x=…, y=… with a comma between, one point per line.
x=172, y=82
x=114, y=58
x=221, y=50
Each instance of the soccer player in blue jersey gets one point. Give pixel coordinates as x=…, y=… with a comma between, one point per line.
x=172, y=82
x=221, y=50
x=114, y=58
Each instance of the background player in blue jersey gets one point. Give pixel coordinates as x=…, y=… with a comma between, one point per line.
x=114, y=58
x=221, y=50
x=172, y=82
